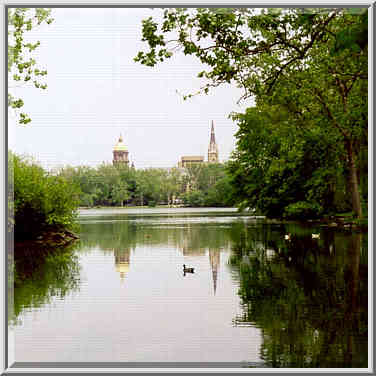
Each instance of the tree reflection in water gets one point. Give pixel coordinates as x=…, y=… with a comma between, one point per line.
x=308, y=296
x=48, y=277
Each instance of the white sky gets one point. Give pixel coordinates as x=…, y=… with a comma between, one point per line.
x=96, y=90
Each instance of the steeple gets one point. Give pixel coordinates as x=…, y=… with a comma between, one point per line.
x=212, y=135
x=213, y=148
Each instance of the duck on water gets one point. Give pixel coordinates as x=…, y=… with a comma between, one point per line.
x=187, y=270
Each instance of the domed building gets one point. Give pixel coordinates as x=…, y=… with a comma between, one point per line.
x=120, y=153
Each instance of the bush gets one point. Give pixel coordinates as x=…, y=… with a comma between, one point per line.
x=194, y=199
x=302, y=210
x=86, y=200
x=41, y=201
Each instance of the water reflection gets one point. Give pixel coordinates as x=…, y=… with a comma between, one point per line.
x=121, y=238
x=214, y=257
x=42, y=279
x=122, y=262
x=302, y=301
x=307, y=295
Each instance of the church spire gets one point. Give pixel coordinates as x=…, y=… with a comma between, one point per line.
x=213, y=148
x=212, y=135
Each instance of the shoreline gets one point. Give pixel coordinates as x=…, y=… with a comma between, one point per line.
x=341, y=222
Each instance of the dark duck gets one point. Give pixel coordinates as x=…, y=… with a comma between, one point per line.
x=187, y=270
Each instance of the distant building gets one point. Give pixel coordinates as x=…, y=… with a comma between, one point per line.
x=190, y=160
x=120, y=153
x=212, y=153
x=213, y=148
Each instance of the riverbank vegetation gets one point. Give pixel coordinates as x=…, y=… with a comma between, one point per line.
x=41, y=217
x=107, y=185
x=302, y=147
x=39, y=202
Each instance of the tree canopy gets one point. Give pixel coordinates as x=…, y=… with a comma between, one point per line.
x=198, y=185
x=312, y=63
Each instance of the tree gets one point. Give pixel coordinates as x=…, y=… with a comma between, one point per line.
x=22, y=66
x=171, y=184
x=207, y=184
x=321, y=53
x=193, y=175
x=120, y=193
x=282, y=166
x=333, y=90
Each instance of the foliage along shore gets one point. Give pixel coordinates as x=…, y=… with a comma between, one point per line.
x=29, y=255
x=337, y=222
x=47, y=203
x=41, y=207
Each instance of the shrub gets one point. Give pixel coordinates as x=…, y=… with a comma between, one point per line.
x=41, y=201
x=302, y=210
x=194, y=199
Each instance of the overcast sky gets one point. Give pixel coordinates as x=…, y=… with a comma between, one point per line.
x=96, y=91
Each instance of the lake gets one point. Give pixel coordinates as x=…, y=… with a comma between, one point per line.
x=257, y=297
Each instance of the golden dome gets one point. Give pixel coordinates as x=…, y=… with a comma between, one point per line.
x=122, y=268
x=120, y=146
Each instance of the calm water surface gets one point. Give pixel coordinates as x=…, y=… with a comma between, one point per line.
x=121, y=295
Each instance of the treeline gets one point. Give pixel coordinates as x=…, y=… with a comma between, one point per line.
x=108, y=185
x=40, y=201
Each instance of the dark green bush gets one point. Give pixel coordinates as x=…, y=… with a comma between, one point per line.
x=302, y=210
x=41, y=201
